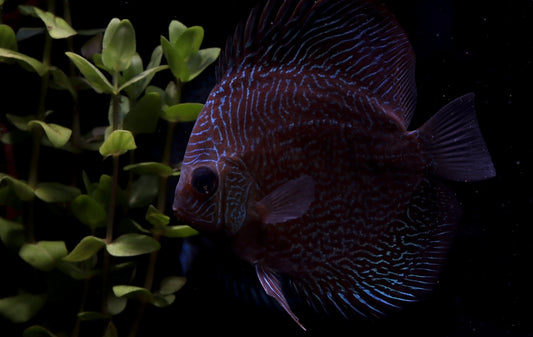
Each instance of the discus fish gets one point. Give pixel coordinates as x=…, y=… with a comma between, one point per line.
x=303, y=158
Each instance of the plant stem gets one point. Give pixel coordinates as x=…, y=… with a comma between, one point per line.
x=37, y=133
x=161, y=203
x=109, y=233
x=115, y=105
x=162, y=197
x=148, y=283
x=113, y=201
x=85, y=293
x=33, y=181
x=76, y=130
x=115, y=101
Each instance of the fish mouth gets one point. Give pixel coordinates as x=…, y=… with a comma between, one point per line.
x=192, y=220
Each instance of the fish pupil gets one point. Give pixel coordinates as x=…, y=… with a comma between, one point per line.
x=204, y=180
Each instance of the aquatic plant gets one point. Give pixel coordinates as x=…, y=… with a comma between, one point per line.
x=119, y=216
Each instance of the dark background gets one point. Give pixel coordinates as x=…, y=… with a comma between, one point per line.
x=484, y=47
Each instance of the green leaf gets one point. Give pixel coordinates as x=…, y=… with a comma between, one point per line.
x=143, y=191
x=197, y=62
x=118, y=142
x=8, y=38
x=122, y=110
x=43, y=255
x=145, y=74
x=86, y=249
x=90, y=187
x=118, y=47
x=172, y=96
x=184, y=112
x=181, y=231
x=35, y=65
x=56, y=192
x=11, y=233
x=13, y=137
x=56, y=26
x=139, y=227
x=132, y=245
x=21, y=308
x=175, y=29
x=37, y=331
x=124, y=267
x=111, y=330
x=188, y=43
x=23, y=191
x=135, y=68
x=171, y=284
x=89, y=211
x=177, y=65
x=144, y=115
x=78, y=270
x=20, y=122
x=97, y=60
x=61, y=81
x=156, y=218
x=94, y=77
x=56, y=134
x=116, y=305
x=132, y=292
x=91, y=316
x=162, y=301
x=102, y=192
x=155, y=58
x=152, y=168
x=134, y=90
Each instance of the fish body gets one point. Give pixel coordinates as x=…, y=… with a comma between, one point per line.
x=303, y=157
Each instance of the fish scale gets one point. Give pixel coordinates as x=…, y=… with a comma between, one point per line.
x=302, y=158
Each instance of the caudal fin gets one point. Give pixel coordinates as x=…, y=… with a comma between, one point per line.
x=455, y=144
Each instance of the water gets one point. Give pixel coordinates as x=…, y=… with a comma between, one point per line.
x=485, y=288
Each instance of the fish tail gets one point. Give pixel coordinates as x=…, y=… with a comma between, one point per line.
x=454, y=143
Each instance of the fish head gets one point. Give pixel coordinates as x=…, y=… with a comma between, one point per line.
x=196, y=196
x=212, y=196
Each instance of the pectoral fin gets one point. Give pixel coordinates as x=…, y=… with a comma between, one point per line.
x=289, y=201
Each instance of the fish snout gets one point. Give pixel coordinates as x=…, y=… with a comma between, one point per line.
x=192, y=219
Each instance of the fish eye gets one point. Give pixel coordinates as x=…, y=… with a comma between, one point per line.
x=204, y=180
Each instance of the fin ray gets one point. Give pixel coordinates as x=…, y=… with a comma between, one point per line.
x=455, y=144
x=359, y=41
x=289, y=201
x=272, y=286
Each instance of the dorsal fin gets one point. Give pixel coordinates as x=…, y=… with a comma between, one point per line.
x=358, y=41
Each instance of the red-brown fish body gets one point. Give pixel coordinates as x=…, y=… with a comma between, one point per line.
x=302, y=156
